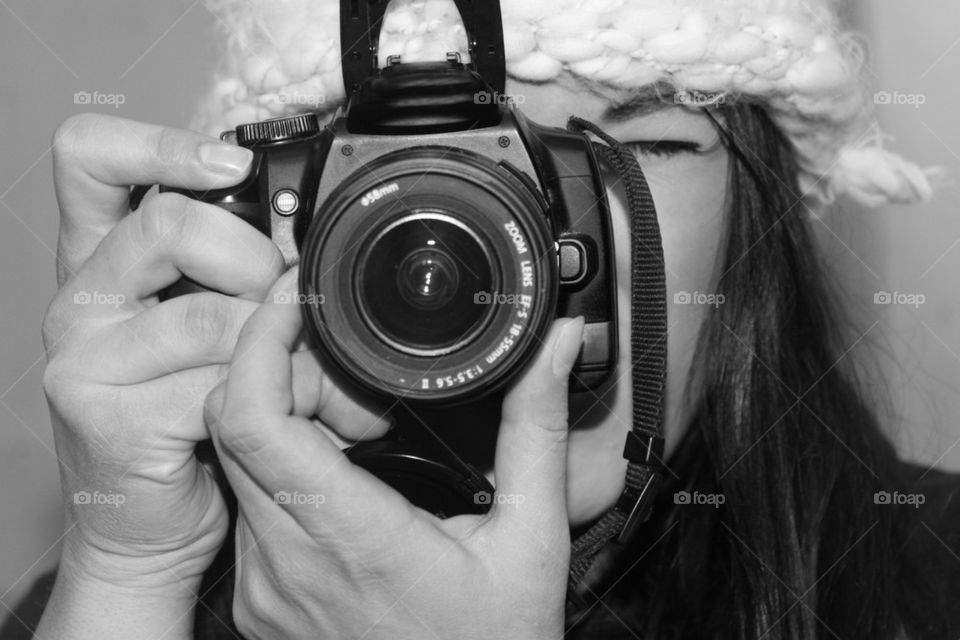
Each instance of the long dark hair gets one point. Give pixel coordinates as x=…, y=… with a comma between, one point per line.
x=798, y=549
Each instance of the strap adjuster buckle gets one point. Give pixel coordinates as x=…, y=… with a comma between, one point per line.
x=644, y=448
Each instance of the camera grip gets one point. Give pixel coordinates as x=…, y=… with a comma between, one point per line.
x=245, y=200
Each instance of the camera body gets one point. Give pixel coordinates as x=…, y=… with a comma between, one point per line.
x=438, y=233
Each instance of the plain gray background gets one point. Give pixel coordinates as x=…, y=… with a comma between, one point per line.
x=160, y=56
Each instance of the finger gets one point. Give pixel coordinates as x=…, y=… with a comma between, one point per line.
x=260, y=381
x=316, y=393
x=255, y=495
x=270, y=335
x=181, y=333
x=173, y=236
x=261, y=438
x=96, y=158
x=531, y=458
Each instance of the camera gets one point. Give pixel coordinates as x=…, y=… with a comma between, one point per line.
x=438, y=235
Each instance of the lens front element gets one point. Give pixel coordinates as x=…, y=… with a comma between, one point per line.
x=417, y=280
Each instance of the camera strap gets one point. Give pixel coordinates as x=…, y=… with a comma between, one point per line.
x=595, y=565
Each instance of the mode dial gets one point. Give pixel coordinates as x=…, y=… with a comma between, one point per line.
x=277, y=130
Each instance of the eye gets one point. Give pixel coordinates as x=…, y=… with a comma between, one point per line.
x=663, y=148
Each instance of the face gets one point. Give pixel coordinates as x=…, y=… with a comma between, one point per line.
x=686, y=167
x=685, y=164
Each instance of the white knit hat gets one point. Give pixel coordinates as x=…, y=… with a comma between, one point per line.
x=284, y=57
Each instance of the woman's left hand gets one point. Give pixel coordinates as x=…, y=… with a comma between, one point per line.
x=326, y=550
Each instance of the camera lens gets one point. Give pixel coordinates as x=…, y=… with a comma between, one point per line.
x=439, y=273
x=417, y=283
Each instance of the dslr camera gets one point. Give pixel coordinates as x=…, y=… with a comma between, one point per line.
x=438, y=230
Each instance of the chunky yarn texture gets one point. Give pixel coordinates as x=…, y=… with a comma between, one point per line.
x=792, y=55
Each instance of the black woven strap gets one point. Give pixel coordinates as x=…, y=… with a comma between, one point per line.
x=594, y=554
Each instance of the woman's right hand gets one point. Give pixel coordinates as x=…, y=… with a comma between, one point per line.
x=127, y=375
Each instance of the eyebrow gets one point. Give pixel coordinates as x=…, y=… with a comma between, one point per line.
x=644, y=101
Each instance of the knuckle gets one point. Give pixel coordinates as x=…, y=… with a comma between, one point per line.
x=66, y=394
x=209, y=320
x=237, y=434
x=54, y=319
x=158, y=217
x=544, y=431
x=552, y=420
x=171, y=147
x=541, y=416
x=272, y=260
x=213, y=405
x=74, y=137
x=169, y=218
x=552, y=428
x=328, y=394
x=62, y=325
x=54, y=380
x=247, y=623
x=254, y=605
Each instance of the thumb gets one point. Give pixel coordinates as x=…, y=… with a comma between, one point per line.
x=531, y=459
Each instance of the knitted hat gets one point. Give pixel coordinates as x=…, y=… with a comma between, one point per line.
x=284, y=57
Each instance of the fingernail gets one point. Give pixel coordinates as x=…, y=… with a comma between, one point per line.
x=567, y=347
x=226, y=159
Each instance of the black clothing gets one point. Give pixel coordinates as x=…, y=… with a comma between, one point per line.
x=926, y=551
